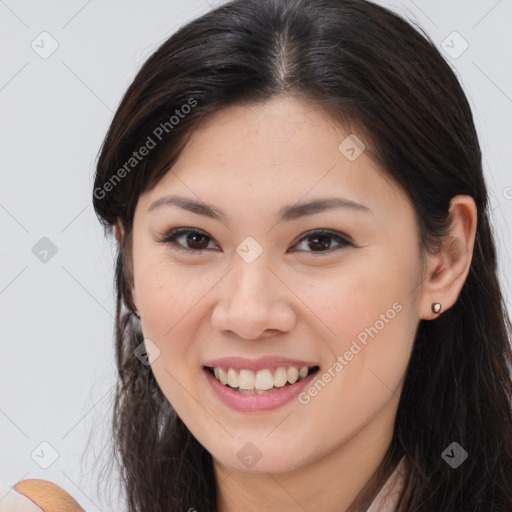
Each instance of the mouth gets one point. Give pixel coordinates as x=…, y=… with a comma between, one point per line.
x=260, y=382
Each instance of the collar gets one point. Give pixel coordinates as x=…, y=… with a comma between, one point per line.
x=388, y=496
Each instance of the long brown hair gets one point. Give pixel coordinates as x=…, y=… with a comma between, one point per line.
x=368, y=67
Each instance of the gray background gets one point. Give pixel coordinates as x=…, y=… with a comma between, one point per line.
x=57, y=370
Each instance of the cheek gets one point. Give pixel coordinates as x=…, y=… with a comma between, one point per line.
x=172, y=306
x=168, y=295
x=370, y=315
x=366, y=313
x=366, y=291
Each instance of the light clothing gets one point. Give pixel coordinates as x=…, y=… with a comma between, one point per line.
x=387, y=498
x=12, y=501
x=385, y=501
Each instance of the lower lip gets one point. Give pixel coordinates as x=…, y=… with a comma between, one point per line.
x=251, y=403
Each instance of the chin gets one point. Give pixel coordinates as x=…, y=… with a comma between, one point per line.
x=262, y=456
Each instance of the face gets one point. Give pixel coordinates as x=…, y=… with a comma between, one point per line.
x=308, y=313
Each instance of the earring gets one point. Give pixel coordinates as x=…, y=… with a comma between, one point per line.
x=436, y=307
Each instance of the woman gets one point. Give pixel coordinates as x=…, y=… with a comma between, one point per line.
x=308, y=311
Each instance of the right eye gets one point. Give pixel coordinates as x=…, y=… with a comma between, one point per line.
x=193, y=237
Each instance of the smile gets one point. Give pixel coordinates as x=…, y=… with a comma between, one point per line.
x=258, y=385
x=267, y=380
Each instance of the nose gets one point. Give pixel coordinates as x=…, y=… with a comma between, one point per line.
x=254, y=303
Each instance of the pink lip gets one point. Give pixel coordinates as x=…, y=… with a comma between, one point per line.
x=256, y=403
x=270, y=362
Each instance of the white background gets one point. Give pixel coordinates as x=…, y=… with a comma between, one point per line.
x=57, y=369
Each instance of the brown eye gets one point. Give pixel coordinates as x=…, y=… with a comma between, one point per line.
x=194, y=240
x=320, y=241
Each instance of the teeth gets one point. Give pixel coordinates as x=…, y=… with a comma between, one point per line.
x=280, y=377
x=261, y=381
x=264, y=380
x=246, y=379
x=293, y=374
x=232, y=378
x=223, y=376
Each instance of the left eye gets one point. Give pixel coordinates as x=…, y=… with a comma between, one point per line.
x=322, y=238
x=197, y=240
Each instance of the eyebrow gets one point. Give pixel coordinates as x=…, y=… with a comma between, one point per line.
x=287, y=213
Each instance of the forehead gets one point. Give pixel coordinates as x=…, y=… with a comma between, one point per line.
x=281, y=151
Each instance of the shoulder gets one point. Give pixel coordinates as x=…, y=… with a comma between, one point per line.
x=12, y=501
x=36, y=496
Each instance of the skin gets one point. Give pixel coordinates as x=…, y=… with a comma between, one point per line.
x=294, y=300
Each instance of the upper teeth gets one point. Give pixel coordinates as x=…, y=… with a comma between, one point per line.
x=260, y=380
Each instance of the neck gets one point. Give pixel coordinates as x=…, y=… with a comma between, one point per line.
x=347, y=479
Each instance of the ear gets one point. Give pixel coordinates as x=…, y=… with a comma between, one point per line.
x=135, y=300
x=447, y=270
x=119, y=234
x=118, y=231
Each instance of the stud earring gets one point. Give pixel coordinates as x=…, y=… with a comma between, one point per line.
x=436, y=307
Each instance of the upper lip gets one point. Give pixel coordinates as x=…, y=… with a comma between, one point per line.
x=240, y=363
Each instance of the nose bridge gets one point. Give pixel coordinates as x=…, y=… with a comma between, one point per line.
x=251, y=303
x=251, y=279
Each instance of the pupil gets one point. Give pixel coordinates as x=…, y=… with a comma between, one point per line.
x=195, y=235
x=326, y=240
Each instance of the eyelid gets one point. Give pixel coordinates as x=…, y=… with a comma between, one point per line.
x=324, y=231
x=171, y=235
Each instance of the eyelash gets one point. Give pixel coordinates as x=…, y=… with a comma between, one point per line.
x=173, y=234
